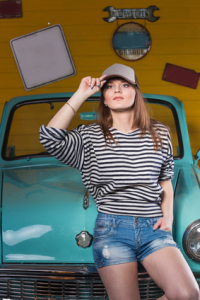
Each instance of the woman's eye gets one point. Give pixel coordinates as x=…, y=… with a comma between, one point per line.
x=109, y=86
x=126, y=85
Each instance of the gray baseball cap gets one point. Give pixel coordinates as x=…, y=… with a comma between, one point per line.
x=119, y=70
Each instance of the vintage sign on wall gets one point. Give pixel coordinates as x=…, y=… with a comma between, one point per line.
x=131, y=13
x=131, y=41
x=43, y=57
x=180, y=75
x=10, y=9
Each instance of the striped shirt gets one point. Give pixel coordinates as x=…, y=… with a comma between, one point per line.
x=124, y=178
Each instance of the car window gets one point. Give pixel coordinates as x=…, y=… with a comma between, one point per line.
x=23, y=136
x=23, y=139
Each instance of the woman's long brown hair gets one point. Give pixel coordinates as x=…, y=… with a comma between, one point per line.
x=142, y=119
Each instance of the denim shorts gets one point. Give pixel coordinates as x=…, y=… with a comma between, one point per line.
x=122, y=239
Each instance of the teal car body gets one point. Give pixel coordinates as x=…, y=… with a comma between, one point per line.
x=45, y=207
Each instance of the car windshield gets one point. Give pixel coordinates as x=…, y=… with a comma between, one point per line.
x=23, y=138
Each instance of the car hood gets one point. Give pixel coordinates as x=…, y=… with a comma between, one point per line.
x=42, y=212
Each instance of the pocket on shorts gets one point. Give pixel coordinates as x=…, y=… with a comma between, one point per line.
x=152, y=221
x=166, y=231
x=103, y=228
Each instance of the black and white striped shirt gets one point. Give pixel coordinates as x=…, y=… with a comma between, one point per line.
x=124, y=178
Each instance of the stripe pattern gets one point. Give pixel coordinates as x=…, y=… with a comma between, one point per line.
x=124, y=178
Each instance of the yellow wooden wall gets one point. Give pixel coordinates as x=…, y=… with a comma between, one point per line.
x=175, y=39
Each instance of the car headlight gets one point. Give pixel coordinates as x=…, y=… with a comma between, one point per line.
x=191, y=241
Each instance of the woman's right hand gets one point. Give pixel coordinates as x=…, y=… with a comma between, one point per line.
x=90, y=86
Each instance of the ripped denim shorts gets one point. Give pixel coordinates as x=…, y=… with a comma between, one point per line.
x=122, y=239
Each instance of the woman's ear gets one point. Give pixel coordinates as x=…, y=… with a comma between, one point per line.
x=104, y=102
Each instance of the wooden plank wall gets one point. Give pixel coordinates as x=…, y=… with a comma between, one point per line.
x=175, y=39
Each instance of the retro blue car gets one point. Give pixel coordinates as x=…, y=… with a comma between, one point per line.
x=47, y=215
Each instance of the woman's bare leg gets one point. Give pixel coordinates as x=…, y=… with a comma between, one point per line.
x=168, y=268
x=162, y=298
x=121, y=281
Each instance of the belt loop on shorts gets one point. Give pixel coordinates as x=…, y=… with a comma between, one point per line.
x=136, y=220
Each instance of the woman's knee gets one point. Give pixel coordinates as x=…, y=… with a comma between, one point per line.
x=184, y=294
x=192, y=294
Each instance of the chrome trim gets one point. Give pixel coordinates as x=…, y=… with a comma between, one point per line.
x=81, y=239
x=86, y=200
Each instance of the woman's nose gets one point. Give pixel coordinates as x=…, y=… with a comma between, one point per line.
x=117, y=89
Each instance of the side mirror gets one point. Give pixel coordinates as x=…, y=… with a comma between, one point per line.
x=197, y=157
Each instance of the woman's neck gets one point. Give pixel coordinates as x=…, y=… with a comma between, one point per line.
x=123, y=121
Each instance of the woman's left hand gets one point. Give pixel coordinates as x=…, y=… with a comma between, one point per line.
x=164, y=223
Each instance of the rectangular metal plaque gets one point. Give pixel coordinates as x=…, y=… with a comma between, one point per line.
x=10, y=9
x=43, y=57
x=181, y=76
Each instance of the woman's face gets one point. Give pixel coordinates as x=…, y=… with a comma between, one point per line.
x=119, y=95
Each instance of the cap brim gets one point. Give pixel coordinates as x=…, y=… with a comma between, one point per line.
x=120, y=76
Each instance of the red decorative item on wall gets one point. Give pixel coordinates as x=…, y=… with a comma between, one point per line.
x=181, y=76
x=10, y=9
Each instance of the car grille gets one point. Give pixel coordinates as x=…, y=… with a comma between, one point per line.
x=27, y=289
x=73, y=286
x=24, y=289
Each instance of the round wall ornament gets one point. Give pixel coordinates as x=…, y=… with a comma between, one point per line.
x=131, y=41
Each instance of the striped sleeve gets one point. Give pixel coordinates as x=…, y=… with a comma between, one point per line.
x=66, y=146
x=167, y=168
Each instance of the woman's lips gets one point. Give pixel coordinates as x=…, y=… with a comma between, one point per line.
x=118, y=98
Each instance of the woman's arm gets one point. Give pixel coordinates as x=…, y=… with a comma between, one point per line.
x=68, y=146
x=165, y=223
x=88, y=87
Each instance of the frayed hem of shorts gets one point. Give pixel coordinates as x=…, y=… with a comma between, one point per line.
x=101, y=265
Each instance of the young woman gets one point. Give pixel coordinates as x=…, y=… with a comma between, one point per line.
x=126, y=163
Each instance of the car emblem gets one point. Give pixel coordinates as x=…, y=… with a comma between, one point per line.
x=84, y=239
